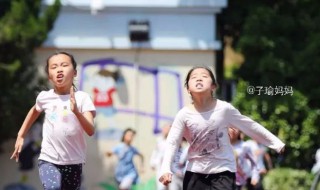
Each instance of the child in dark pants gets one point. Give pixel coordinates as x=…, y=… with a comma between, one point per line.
x=204, y=124
x=69, y=116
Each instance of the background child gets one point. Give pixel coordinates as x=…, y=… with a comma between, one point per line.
x=204, y=124
x=246, y=166
x=69, y=115
x=316, y=171
x=31, y=149
x=179, y=163
x=179, y=167
x=126, y=173
x=263, y=160
x=157, y=154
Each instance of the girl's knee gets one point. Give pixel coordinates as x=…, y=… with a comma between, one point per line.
x=52, y=187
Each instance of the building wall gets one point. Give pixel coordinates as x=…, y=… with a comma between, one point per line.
x=174, y=24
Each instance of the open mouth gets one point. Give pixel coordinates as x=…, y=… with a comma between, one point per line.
x=59, y=77
x=199, y=85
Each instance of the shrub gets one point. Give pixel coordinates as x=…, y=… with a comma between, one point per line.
x=288, y=179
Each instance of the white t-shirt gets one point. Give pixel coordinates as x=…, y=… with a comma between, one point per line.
x=63, y=140
x=258, y=151
x=247, y=167
x=210, y=149
x=157, y=153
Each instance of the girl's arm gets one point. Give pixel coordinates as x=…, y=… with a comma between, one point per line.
x=172, y=144
x=86, y=121
x=268, y=160
x=86, y=118
x=109, y=153
x=141, y=162
x=254, y=130
x=32, y=115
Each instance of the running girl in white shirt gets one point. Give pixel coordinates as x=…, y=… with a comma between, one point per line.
x=69, y=115
x=246, y=166
x=204, y=124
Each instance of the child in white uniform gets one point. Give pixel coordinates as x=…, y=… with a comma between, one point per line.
x=69, y=116
x=246, y=165
x=157, y=154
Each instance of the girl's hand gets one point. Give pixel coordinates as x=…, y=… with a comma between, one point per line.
x=233, y=133
x=254, y=182
x=166, y=178
x=17, y=148
x=73, y=103
x=108, y=153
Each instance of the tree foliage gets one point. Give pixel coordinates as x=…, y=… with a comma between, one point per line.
x=281, y=46
x=24, y=25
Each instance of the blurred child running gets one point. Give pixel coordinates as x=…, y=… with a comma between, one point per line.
x=126, y=173
x=246, y=165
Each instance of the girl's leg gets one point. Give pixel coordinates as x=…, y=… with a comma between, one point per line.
x=126, y=183
x=50, y=175
x=71, y=176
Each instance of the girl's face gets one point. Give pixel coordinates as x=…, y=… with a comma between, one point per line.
x=200, y=81
x=128, y=137
x=61, y=71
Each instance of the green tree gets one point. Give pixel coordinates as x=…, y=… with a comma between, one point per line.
x=24, y=25
x=280, y=43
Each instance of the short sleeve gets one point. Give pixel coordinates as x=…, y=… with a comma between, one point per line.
x=39, y=102
x=87, y=103
x=116, y=149
x=135, y=151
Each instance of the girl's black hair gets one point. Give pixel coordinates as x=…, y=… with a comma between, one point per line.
x=197, y=67
x=73, y=61
x=126, y=131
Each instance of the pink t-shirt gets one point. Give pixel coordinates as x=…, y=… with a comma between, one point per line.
x=63, y=137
